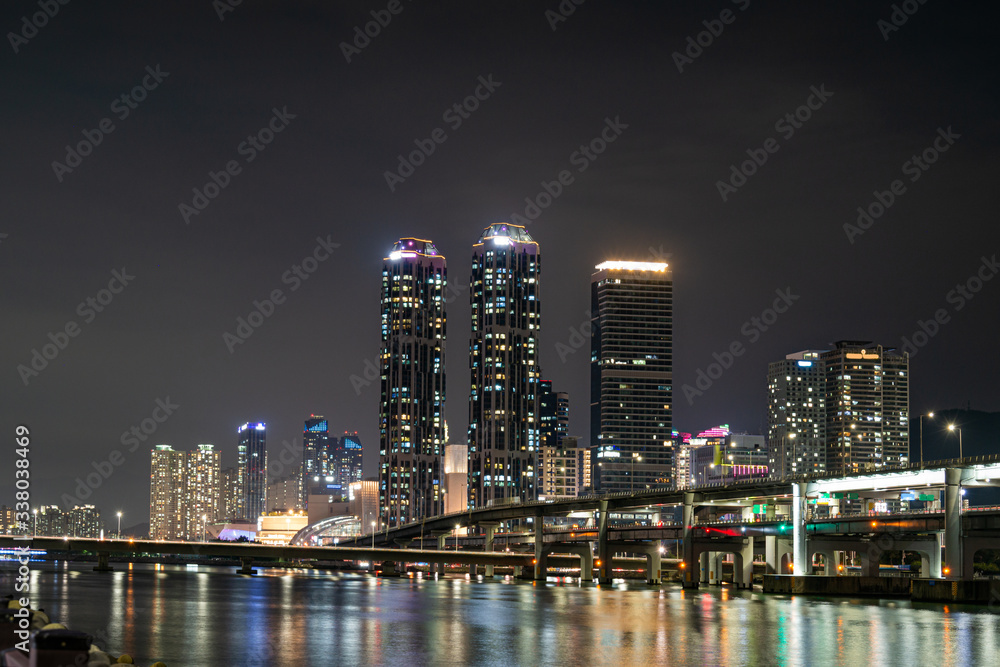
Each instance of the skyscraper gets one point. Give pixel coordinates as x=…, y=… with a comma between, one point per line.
x=631, y=371
x=503, y=399
x=253, y=436
x=557, y=463
x=867, y=407
x=796, y=415
x=347, y=462
x=166, y=494
x=202, y=485
x=316, y=451
x=411, y=431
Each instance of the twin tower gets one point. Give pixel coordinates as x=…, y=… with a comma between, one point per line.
x=505, y=375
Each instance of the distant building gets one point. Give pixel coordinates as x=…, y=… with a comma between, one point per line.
x=253, y=436
x=202, y=485
x=456, y=478
x=8, y=521
x=584, y=484
x=631, y=376
x=83, y=521
x=278, y=528
x=411, y=431
x=231, y=495
x=681, y=472
x=348, y=460
x=363, y=502
x=558, y=466
x=867, y=407
x=316, y=451
x=727, y=457
x=503, y=399
x=285, y=494
x=796, y=415
x=49, y=520
x=166, y=494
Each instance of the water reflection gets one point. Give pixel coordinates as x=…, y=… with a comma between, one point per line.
x=213, y=616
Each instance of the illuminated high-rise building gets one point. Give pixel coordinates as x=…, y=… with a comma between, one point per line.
x=867, y=407
x=253, y=436
x=202, y=485
x=346, y=461
x=631, y=376
x=316, y=452
x=411, y=419
x=504, y=418
x=166, y=494
x=796, y=415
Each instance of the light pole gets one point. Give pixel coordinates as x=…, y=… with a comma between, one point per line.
x=34, y=531
x=119, y=525
x=457, y=526
x=373, y=536
x=204, y=527
x=929, y=415
x=635, y=457
x=952, y=427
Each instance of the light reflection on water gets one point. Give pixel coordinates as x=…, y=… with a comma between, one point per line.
x=212, y=616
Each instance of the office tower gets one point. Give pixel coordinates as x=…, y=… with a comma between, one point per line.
x=253, y=436
x=315, y=452
x=229, y=495
x=166, y=494
x=202, y=472
x=285, y=494
x=796, y=415
x=347, y=462
x=631, y=366
x=363, y=502
x=867, y=407
x=456, y=478
x=553, y=410
x=503, y=399
x=414, y=284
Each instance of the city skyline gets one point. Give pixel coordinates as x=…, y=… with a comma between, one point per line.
x=592, y=131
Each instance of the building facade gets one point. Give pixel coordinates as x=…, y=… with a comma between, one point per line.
x=166, y=494
x=796, y=415
x=411, y=429
x=867, y=407
x=316, y=450
x=504, y=418
x=631, y=392
x=202, y=489
x=349, y=454
x=253, y=437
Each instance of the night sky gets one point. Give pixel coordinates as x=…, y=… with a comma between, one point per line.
x=880, y=96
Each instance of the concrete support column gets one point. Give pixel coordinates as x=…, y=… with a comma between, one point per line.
x=473, y=570
x=442, y=536
x=603, y=553
x=703, y=566
x=744, y=566
x=953, y=522
x=800, y=564
x=869, y=565
x=772, y=556
x=715, y=568
x=688, y=577
x=934, y=567
x=246, y=566
x=653, y=565
x=540, y=555
x=839, y=568
x=586, y=563
x=103, y=564
x=490, y=528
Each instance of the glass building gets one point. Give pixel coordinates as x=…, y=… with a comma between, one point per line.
x=631, y=370
x=316, y=451
x=411, y=418
x=504, y=418
x=253, y=436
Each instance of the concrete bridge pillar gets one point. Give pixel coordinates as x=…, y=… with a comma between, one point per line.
x=490, y=527
x=689, y=578
x=603, y=553
x=743, y=565
x=715, y=568
x=653, y=564
x=800, y=564
x=246, y=566
x=541, y=556
x=772, y=557
x=103, y=564
x=703, y=567
x=953, y=522
x=441, y=536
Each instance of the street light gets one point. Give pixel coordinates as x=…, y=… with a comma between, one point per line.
x=929, y=415
x=204, y=527
x=635, y=457
x=952, y=427
x=373, y=534
x=457, y=526
x=34, y=530
x=119, y=525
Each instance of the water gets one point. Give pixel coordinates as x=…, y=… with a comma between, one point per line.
x=211, y=616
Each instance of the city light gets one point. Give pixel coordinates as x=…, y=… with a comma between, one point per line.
x=631, y=266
